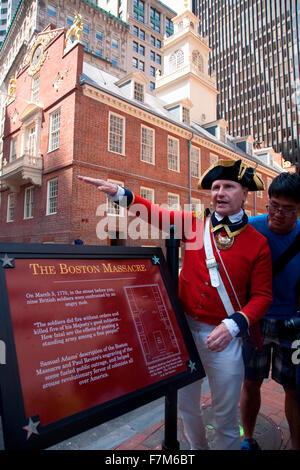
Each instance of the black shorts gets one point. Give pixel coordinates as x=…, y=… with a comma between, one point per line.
x=277, y=351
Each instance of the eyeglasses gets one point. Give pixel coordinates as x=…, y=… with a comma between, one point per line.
x=286, y=212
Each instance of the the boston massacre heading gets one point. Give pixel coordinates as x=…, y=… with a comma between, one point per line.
x=63, y=268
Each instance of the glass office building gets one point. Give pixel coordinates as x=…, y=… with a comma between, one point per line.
x=7, y=11
x=255, y=55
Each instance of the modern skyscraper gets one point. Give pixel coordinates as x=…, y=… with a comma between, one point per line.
x=150, y=21
x=7, y=11
x=255, y=55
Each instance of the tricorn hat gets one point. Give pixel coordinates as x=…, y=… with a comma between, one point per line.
x=233, y=170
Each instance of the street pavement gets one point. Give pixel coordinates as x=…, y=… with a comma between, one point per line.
x=143, y=428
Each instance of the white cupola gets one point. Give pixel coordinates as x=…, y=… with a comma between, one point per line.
x=185, y=76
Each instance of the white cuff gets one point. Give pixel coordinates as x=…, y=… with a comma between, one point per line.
x=232, y=326
x=118, y=196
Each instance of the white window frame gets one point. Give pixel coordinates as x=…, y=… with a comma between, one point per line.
x=185, y=115
x=31, y=140
x=198, y=61
x=28, y=202
x=147, y=193
x=174, y=205
x=13, y=149
x=213, y=158
x=31, y=135
x=195, y=161
x=196, y=205
x=176, y=60
x=113, y=209
x=54, y=130
x=52, y=197
x=10, y=208
x=139, y=91
x=147, y=145
x=121, y=135
x=173, y=158
x=35, y=88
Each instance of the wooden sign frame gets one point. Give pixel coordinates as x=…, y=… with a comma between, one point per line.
x=25, y=340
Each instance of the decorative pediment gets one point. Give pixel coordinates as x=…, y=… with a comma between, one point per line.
x=185, y=102
x=30, y=110
x=134, y=76
x=37, y=52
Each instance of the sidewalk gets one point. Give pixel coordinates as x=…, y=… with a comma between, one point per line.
x=272, y=431
x=143, y=428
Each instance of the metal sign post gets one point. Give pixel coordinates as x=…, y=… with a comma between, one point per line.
x=170, y=442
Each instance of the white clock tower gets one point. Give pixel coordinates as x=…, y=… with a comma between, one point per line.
x=186, y=85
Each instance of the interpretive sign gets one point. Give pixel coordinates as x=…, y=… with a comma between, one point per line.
x=90, y=333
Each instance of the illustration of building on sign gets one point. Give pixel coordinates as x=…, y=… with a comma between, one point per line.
x=152, y=322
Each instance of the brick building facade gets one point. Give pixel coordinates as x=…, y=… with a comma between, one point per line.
x=65, y=118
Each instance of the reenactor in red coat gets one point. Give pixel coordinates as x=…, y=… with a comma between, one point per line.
x=225, y=287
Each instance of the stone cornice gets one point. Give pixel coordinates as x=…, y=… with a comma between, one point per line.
x=186, y=73
x=126, y=107
x=105, y=13
x=179, y=37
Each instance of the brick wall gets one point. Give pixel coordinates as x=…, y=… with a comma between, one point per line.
x=83, y=150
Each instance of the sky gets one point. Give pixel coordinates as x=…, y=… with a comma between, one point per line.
x=176, y=5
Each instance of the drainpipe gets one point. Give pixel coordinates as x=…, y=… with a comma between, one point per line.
x=189, y=169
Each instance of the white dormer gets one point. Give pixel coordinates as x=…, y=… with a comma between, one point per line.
x=185, y=75
x=134, y=84
x=181, y=109
x=217, y=128
x=245, y=143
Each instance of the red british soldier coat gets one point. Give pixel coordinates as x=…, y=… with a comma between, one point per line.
x=247, y=261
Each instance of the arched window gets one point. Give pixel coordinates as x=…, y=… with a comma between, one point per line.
x=172, y=63
x=176, y=60
x=179, y=58
x=198, y=60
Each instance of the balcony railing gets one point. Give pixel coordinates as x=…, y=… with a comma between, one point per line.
x=25, y=169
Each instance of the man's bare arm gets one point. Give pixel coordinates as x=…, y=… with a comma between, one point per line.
x=104, y=186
